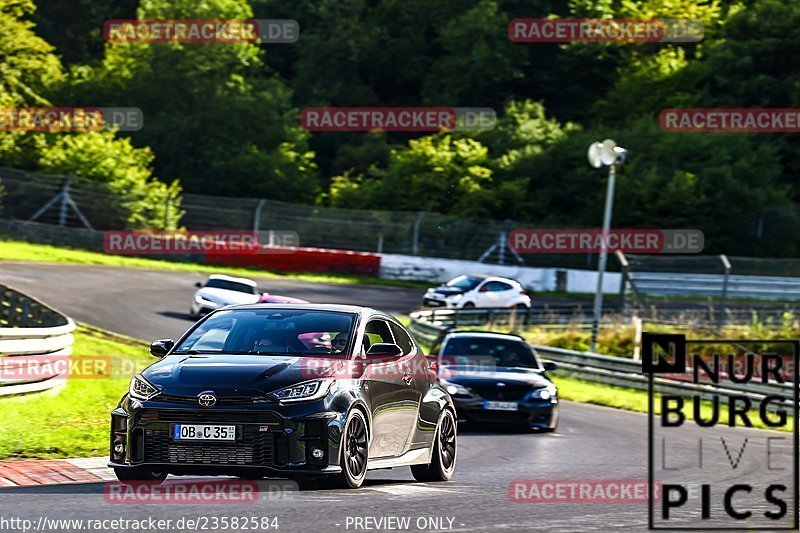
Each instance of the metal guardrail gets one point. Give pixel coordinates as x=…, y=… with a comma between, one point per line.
x=29, y=328
x=738, y=286
x=617, y=371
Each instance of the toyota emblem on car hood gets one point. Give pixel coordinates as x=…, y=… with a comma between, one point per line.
x=206, y=399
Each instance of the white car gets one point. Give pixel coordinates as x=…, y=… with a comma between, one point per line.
x=468, y=292
x=220, y=291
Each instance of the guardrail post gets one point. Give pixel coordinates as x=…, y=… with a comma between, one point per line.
x=726, y=265
x=637, y=338
x=455, y=318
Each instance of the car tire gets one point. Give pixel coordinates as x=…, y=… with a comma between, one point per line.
x=468, y=305
x=353, y=453
x=443, y=459
x=133, y=476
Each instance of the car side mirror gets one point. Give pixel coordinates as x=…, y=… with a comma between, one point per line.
x=384, y=351
x=160, y=347
x=550, y=366
x=199, y=285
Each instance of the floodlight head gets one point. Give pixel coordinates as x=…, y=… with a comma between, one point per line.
x=622, y=154
x=607, y=153
x=594, y=155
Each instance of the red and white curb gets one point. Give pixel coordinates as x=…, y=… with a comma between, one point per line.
x=29, y=472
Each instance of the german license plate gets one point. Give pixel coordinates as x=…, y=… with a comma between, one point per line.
x=203, y=432
x=501, y=406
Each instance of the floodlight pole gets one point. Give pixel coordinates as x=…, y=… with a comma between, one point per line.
x=601, y=264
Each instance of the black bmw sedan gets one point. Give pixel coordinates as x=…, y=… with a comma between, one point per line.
x=497, y=378
x=307, y=392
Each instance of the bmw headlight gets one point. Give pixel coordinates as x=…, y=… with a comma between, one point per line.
x=545, y=393
x=455, y=388
x=141, y=389
x=310, y=390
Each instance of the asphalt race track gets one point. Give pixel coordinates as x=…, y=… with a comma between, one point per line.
x=151, y=304
x=591, y=443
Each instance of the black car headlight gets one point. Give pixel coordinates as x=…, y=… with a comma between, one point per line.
x=310, y=390
x=141, y=389
x=545, y=393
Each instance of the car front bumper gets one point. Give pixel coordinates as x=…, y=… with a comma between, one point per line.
x=294, y=439
x=541, y=414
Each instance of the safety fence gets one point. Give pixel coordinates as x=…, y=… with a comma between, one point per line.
x=604, y=369
x=30, y=328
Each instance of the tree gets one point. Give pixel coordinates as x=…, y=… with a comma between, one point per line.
x=213, y=117
x=116, y=181
x=75, y=27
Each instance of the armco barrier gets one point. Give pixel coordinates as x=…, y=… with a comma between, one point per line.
x=303, y=260
x=28, y=327
x=618, y=371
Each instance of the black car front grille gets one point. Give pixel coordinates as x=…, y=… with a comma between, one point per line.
x=253, y=449
x=508, y=393
x=222, y=417
x=498, y=417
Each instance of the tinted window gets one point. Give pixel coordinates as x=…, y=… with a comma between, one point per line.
x=230, y=286
x=495, y=286
x=505, y=352
x=401, y=338
x=378, y=331
x=272, y=331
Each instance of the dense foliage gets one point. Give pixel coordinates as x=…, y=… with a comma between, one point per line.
x=223, y=119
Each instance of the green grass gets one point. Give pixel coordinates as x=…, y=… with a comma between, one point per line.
x=25, y=251
x=570, y=388
x=71, y=421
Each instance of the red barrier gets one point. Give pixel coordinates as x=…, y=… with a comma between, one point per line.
x=303, y=260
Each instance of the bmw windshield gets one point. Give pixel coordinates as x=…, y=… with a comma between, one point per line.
x=496, y=352
x=271, y=332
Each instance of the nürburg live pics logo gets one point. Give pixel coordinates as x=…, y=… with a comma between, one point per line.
x=722, y=437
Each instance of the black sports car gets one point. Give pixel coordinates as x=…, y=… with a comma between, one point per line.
x=308, y=392
x=497, y=378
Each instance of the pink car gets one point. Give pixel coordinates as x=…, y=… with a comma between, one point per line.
x=267, y=298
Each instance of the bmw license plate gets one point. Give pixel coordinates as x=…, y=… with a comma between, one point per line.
x=203, y=432
x=501, y=406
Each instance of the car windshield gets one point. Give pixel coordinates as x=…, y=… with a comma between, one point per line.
x=498, y=352
x=272, y=332
x=230, y=285
x=464, y=282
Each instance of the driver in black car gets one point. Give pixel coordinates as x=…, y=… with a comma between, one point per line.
x=339, y=342
x=273, y=341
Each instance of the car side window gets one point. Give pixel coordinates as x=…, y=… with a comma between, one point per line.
x=497, y=286
x=377, y=330
x=401, y=338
